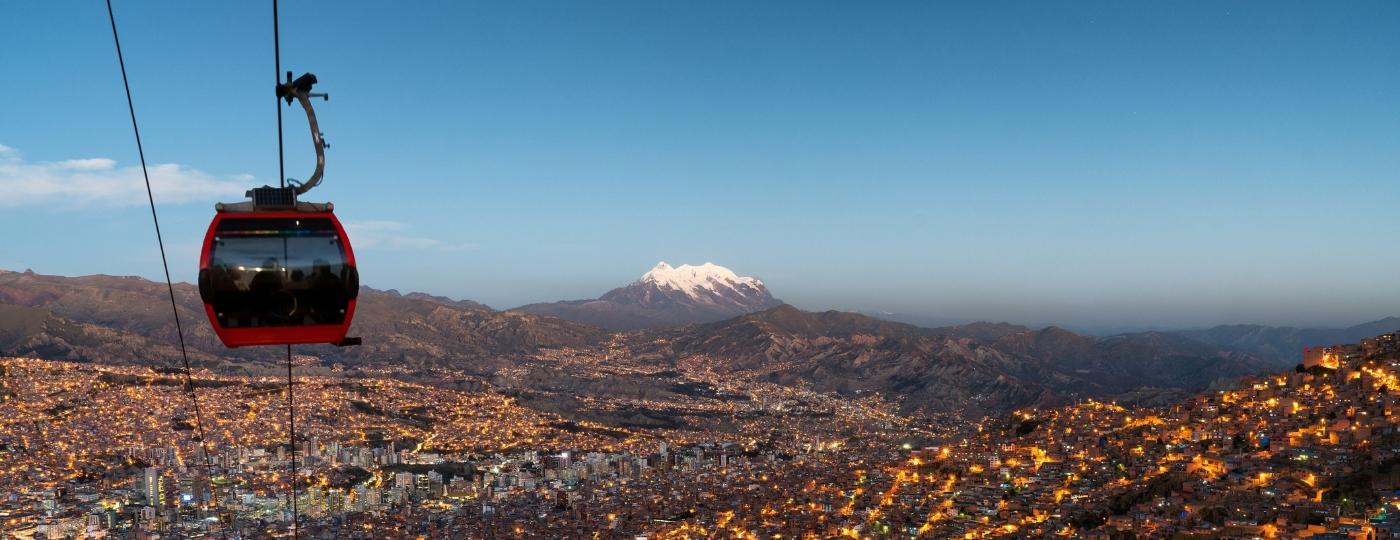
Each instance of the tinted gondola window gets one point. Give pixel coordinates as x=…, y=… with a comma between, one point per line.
x=278, y=272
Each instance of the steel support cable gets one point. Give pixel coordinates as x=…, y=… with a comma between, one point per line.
x=165, y=265
x=282, y=181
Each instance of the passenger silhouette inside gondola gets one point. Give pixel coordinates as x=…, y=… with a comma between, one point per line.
x=271, y=302
x=328, y=296
x=229, y=302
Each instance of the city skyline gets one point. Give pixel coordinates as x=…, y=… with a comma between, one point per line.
x=1092, y=166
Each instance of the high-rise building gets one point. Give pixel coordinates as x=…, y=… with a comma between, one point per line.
x=557, y=461
x=403, y=480
x=146, y=516
x=371, y=498
x=153, y=486
x=335, y=502
x=423, y=486
x=187, y=489
x=458, y=487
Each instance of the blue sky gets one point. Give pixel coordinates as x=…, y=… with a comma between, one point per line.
x=1094, y=164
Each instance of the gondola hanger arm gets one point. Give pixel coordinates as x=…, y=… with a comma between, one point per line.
x=300, y=90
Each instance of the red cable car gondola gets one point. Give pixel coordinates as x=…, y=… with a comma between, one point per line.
x=278, y=277
x=276, y=271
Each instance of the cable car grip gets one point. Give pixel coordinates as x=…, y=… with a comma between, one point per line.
x=300, y=90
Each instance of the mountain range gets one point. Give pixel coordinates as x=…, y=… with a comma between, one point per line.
x=966, y=368
x=1286, y=343
x=973, y=367
x=1283, y=344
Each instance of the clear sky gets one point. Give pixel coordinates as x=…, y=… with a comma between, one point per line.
x=1094, y=164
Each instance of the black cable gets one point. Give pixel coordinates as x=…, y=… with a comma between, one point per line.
x=292, y=428
x=169, y=286
x=277, y=65
x=282, y=181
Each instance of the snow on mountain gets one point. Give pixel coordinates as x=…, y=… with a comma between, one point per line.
x=668, y=296
x=700, y=282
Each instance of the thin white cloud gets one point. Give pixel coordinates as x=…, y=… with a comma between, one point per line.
x=393, y=236
x=78, y=183
x=92, y=164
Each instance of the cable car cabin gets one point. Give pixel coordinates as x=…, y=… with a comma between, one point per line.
x=278, y=277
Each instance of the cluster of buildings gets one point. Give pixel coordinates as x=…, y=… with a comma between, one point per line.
x=360, y=492
x=110, y=452
x=1309, y=453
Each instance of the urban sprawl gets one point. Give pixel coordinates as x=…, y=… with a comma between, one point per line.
x=94, y=451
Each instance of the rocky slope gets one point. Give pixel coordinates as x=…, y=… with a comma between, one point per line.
x=936, y=369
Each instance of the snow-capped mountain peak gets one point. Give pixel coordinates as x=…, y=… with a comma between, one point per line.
x=668, y=296
x=698, y=281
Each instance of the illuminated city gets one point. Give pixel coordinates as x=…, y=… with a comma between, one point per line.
x=108, y=452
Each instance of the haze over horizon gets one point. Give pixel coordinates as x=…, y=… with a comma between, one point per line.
x=1090, y=165
x=934, y=320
